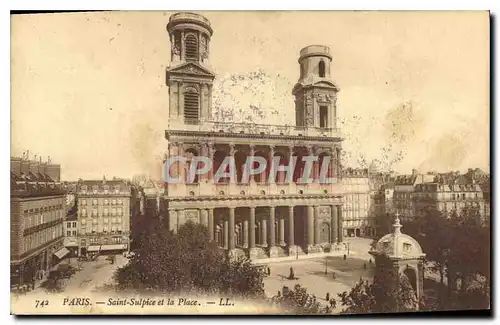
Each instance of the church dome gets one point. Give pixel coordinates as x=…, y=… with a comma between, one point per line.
x=398, y=245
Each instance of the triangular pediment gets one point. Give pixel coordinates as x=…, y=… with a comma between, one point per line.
x=326, y=84
x=191, y=68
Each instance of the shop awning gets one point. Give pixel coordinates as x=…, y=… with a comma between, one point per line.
x=93, y=248
x=113, y=247
x=61, y=253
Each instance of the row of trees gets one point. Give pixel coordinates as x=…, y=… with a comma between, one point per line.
x=187, y=262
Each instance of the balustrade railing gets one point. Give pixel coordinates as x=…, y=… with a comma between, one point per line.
x=252, y=128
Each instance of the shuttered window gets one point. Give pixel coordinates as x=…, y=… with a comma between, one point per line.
x=191, y=48
x=191, y=104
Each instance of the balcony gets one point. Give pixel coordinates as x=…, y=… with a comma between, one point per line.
x=194, y=125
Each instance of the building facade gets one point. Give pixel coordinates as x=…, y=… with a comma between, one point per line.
x=103, y=216
x=37, y=212
x=359, y=219
x=450, y=199
x=266, y=216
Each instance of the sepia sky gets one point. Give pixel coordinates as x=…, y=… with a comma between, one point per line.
x=89, y=89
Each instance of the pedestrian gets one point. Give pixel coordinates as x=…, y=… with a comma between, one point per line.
x=345, y=257
x=292, y=274
x=334, y=275
x=333, y=303
x=327, y=296
x=268, y=270
x=370, y=261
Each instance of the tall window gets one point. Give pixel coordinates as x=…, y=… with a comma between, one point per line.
x=191, y=105
x=191, y=48
x=323, y=116
x=322, y=69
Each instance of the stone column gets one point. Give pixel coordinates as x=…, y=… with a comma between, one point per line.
x=253, y=251
x=211, y=152
x=211, y=223
x=252, y=179
x=273, y=250
x=183, y=47
x=291, y=227
x=245, y=234
x=226, y=234
x=204, y=217
x=282, y=231
x=270, y=163
x=332, y=164
x=272, y=231
x=181, y=166
x=310, y=227
x=204, y=153
x=334, y=224
x=315, y=171
x=217, y=232
x=292, y=249
x=252, y=228
x=337, y=163
x=340, y=220
x=231, y=228
x=316, y=226
x=172, y=42
x=264, y=232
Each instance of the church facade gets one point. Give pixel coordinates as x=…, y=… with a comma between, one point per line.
x=266, y=216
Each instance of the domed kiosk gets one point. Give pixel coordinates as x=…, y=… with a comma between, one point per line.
x=399, y=254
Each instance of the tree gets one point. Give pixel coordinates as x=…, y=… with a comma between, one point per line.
x=458, y=248
x=298, y=302
x=188, y=262
x=384, y=295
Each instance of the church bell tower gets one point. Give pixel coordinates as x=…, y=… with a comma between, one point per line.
x=315, y=92
x=189, y=76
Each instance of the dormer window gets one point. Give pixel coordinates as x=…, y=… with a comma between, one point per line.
x=321, y=69
x=191, y=46
x=406, y=247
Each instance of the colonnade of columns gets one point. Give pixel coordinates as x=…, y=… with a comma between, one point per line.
x=218, y=152
x=267, y=229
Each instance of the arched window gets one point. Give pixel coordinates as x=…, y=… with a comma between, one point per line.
x=322, y=69
x=191, y=105
x=191, y=46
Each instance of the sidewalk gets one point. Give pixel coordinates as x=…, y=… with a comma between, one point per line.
x=300, y=257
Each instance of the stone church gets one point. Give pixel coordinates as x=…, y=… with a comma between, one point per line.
x=267, y=216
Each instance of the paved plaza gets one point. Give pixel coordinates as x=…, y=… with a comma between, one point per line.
x=89, y=275
x=311, y=272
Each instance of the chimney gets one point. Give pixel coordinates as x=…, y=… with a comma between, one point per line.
x=34, y=167
x=15, y=165
x=25, y=166
x=53, y=171
x=43, y=168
